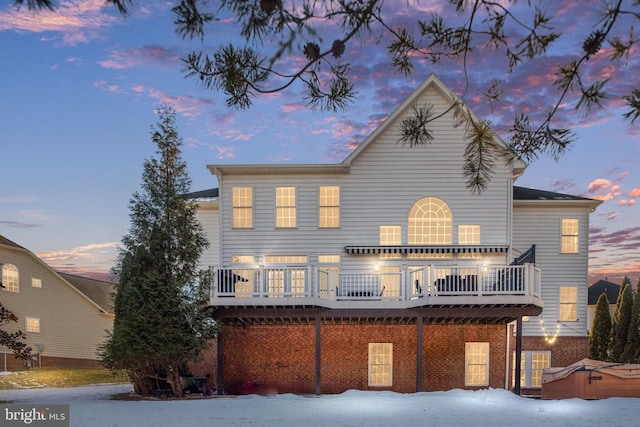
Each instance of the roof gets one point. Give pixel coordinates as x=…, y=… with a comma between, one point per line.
x=7, y=242
x=603, y=287
x=521, y=193
x=98, y=291
x=204, y=194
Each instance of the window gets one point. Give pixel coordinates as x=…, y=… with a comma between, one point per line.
x=430, y=222
x=569, y=238
x=329, y=204
x=242, y=207
x=329, y=268
x=390, y=235
x=286, y=207
x=469, y=235
x=32, y=324
x=380, y=364
x=568, y=303
x=36, y=283
x=10, y=278
x=476, y=364
x=531, y=366
x=286, y=280
x=243, y=259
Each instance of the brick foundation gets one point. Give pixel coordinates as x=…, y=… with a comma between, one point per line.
x=14, y=364
x=281, y=358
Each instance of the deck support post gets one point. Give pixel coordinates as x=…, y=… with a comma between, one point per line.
x=518, y=355
x=419, y=353
x=318, y=354
x=219, y=365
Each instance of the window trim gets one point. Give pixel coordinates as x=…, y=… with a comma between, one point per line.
x=573, y=303
x=10, y=285
x=321, y=207
x=29, y=322
x=280, y=208
x=467, y=364
x=572, y=248
x=387, y=347
x=237, y=208
x=36, y=283
x=422, y=216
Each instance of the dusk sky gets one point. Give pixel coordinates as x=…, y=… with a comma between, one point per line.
x=78, y=90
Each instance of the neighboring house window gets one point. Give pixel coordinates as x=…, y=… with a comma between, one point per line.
x=286, y=211
x=32, y=324
x=329, y=207
x=380, y=364
x=469, y=235
x=476, y=356
x=36, y=283
x=390, y=235
x=569, y=238
x=242, y=207
x=568, y=303
x=430, y=222
x=10, y=278
x=531, y=366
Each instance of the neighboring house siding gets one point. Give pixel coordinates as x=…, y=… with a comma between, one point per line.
x=71, y=326
x=540, y=226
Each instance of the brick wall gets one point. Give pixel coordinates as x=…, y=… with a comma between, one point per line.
x=564, y=350
x=281, y=358
x=13, y=364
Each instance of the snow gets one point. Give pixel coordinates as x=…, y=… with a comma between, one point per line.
x=92, y=407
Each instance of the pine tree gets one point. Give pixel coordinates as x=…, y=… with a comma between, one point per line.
x=159, y=326
x=632, y=347
x=621, y=321
x=600, y=330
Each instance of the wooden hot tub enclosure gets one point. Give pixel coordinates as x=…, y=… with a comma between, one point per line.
x=591, y=379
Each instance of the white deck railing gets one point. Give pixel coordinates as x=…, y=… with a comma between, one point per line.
x=430, y=284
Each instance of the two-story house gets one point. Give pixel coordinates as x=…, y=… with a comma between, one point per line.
x=385, y=272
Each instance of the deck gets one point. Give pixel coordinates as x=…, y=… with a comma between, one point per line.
x=431, y=285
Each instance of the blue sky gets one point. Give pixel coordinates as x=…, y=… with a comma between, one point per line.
x=79, y=88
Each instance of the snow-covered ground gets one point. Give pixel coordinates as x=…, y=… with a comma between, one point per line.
x=92, y=407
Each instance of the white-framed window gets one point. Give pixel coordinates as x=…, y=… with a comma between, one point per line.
x=242, y=207
x=430, y=222
x=286, y=211
x=329, y=207
x=10, y=278
x=476, y=364
x=569, y=236
x=532, y=364
x=32, y=325
x=243, y=259
x=469, y=234
x=568, y=303
x=329, y=269
x=288, y=279
x=36, y=283
x=380, y=364
x=390, y=235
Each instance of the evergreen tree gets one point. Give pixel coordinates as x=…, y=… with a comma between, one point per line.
x=621, y=321
x=599, y=337
x=632, y=347
x=159, y=326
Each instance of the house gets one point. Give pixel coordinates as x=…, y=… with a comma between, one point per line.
x=612, y=291
x=64, y=317
x=384, y=272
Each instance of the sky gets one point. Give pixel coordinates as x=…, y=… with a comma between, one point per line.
x=79, y=88
x=91, y=406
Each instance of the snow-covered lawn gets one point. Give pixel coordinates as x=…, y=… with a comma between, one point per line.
x=92, y=407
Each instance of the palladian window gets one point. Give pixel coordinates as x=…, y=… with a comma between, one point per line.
x=430, y=222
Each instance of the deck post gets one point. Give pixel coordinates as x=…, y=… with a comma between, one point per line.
x=318, y=354
x=219, y=366
x=518, y=355
x=419, y=353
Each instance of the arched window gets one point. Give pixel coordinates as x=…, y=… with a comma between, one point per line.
x=10, y=279
x=430, y=222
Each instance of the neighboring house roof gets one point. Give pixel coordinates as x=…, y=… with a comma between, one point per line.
x=204, y=194
x=603, y=287
x=100, y=292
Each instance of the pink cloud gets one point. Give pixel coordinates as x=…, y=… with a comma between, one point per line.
x=599, y=184
x=77, y=21
x=147, y=55
x=623, y=202
x=635, y=192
